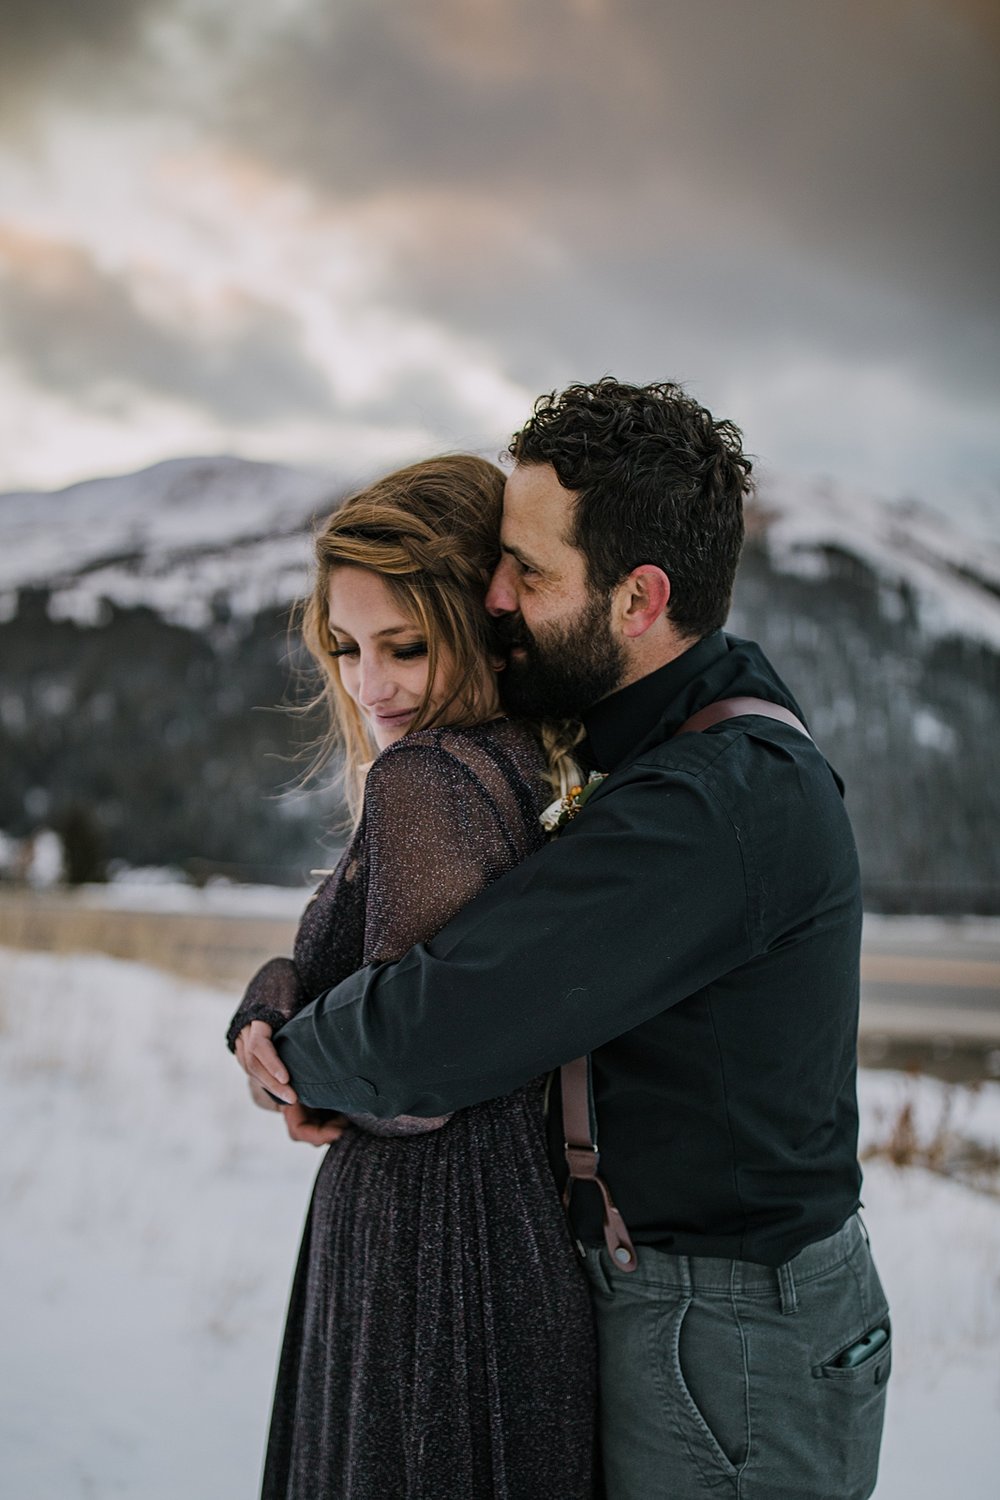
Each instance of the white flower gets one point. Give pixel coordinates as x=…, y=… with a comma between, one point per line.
x=549, y=819
x=559, y=812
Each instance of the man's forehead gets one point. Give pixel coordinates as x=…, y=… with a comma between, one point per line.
x=536, y=506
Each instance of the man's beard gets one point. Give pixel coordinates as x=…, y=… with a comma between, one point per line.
x=566, y=668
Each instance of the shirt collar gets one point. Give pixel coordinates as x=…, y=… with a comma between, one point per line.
x=620, y=723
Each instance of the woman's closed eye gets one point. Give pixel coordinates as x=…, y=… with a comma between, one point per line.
x=409, y=652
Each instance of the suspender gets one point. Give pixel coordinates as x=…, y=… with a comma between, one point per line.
x=579, y=1122
x=583, y=1157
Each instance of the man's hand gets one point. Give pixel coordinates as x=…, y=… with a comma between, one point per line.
x=258, y=1057
x=261, y=1097
x=315, y=1127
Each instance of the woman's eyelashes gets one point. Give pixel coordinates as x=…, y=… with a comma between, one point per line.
x=409, y=652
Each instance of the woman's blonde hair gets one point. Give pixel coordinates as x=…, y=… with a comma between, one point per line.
x=430, y=531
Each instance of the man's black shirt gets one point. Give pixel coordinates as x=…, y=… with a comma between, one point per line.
x=697, y=929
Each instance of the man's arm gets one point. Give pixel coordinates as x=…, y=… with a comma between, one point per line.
x=641, y=902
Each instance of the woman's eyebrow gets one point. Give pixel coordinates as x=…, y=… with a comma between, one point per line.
x=389, y=630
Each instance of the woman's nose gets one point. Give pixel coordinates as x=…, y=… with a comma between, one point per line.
x=501, y=597
x=375, y=685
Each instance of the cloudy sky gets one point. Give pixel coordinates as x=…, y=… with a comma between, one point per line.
x=345, y=231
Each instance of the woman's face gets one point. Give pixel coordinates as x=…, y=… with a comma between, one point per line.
x=381, y=654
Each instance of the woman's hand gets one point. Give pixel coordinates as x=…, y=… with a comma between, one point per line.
x=316, y=1127
x=258, y=1057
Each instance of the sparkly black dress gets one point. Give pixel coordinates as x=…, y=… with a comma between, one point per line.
x=439, y=1342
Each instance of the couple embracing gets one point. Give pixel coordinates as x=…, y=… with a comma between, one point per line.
x=642, y=1006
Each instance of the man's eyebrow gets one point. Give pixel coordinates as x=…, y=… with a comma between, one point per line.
x=519, y=556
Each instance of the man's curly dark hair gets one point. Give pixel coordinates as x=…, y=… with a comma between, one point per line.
x=658, y=480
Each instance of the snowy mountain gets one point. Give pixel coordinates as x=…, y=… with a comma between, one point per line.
x=143, y=626
x=920, y=557
x=181, y=534
x=174, y=537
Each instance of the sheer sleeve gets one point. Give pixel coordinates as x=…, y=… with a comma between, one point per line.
x=434, y=839
x=328, y=947
x=274, y=994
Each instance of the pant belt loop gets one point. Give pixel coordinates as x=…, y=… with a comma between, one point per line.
x=786, y=1290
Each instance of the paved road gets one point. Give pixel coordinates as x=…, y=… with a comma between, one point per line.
x=921, y=980
x=925, y=978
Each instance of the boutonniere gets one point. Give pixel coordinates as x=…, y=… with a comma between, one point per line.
x=563, y=809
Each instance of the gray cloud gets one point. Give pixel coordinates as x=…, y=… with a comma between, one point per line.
x=73, y=328
x=658, y=187
x=59, y=49
x=861, y=132
x=669, y=187
x=689, y=310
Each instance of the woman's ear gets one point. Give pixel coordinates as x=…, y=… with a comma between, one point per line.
x=644, y=596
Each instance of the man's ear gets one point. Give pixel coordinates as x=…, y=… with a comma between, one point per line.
x=643, y=599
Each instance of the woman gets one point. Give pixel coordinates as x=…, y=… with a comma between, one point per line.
x=439, y=1343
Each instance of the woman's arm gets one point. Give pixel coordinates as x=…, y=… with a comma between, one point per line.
x=278, y=991
x=273, y=996
x=433, y=841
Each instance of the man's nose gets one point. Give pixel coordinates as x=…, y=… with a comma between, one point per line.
x=501, y=597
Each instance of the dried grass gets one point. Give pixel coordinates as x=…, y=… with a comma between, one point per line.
x=938, y=1146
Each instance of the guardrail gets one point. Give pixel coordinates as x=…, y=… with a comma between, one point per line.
x=959, y=1036
x=210, y=947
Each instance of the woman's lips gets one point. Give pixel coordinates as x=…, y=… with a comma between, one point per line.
x=389, y=720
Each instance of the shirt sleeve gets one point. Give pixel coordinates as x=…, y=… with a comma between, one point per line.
x=642, y=901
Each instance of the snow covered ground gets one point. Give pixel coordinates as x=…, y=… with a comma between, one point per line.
x=151, y=1217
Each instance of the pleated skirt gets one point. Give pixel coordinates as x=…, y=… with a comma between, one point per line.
x=439, y=1342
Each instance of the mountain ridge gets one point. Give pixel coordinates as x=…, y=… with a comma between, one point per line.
x=235, y=522
x=144, y=626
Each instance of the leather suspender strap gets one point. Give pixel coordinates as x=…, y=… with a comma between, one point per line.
x=583, y=1157
x=579, y=1128
x=736, y=708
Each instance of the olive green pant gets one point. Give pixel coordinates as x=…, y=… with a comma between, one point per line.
x=723, y=1377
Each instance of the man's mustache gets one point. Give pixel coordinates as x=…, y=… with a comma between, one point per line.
x=510, y=631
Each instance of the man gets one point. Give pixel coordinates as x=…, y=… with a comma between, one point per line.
x=696, y=929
